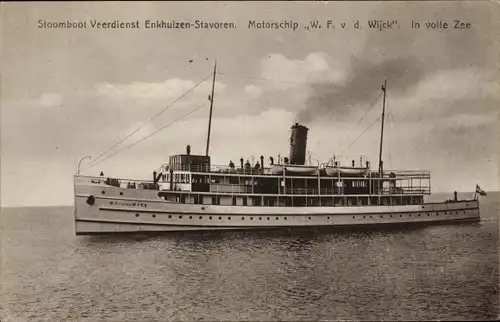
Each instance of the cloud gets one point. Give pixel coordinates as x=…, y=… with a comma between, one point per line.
x=166, y=90
x=253, y=91
x=144, y=90
x=457, y=84
x=49, y=100
x=315, y=67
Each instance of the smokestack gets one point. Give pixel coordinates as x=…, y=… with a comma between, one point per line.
x=262, y=161
x=298, y=144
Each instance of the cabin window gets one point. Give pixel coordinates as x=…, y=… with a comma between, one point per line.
x=188, y=179
x=164, y=177
x=168, y=177
x=177, y=177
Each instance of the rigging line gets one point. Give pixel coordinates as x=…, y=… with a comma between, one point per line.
x=361, y=119
x=361, y=135
x=150, y=135
x=368, y=110
x=262, y=78
x=151, y=119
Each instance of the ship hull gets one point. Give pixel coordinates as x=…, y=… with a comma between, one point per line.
x=101, y=209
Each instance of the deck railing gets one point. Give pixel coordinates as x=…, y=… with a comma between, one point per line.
x=374, y=174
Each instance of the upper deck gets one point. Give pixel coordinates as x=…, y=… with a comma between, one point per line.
x=224, y=180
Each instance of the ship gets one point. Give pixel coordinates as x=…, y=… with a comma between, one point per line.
x=189, y=193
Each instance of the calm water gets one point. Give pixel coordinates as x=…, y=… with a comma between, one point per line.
x=440, y=272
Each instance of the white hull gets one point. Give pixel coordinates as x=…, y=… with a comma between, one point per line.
x=118, y=210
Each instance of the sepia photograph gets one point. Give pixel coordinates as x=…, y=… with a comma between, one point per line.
x=250, y=161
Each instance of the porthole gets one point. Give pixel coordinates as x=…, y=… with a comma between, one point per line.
x=371, y=216
x=201, y=217
x=328, y=217
x=428, y=215
x=251, y=218
x=242, y=218
x=409, y=215
x=121, y=193
x=137, y=215
x=309, y=218
x=210, y=217
x=391, y=216
x=103, y=192
x=268, y=218
x=419, y=215
x=284, y=218
x=364, y=216
x=352, y=217
x=220, y=218
x=260, y=218
x=400, y=216
x=228, y=218
x=190, y=217
x=381, y=216
x=277, y=218
x=169, y=216
x=154, y=216
x=180, y=217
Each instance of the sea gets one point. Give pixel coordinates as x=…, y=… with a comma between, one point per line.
x=441, y=272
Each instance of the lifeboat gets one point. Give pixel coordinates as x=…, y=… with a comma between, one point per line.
x=292, y=169
x=346, y=171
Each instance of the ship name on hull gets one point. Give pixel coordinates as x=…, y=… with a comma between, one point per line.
x=129, y=204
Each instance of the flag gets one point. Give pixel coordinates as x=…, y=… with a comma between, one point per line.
x=480, y=191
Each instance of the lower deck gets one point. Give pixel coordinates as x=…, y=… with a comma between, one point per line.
x=256, y=200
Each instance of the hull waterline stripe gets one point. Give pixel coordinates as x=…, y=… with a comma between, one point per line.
x=279, y=214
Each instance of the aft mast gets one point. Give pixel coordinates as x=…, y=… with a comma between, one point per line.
x=211, y=98
x=380, y=162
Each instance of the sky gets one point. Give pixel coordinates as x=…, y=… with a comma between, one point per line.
x=70, y=93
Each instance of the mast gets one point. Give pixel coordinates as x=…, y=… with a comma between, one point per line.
x=211, y=108
x=380, y=167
